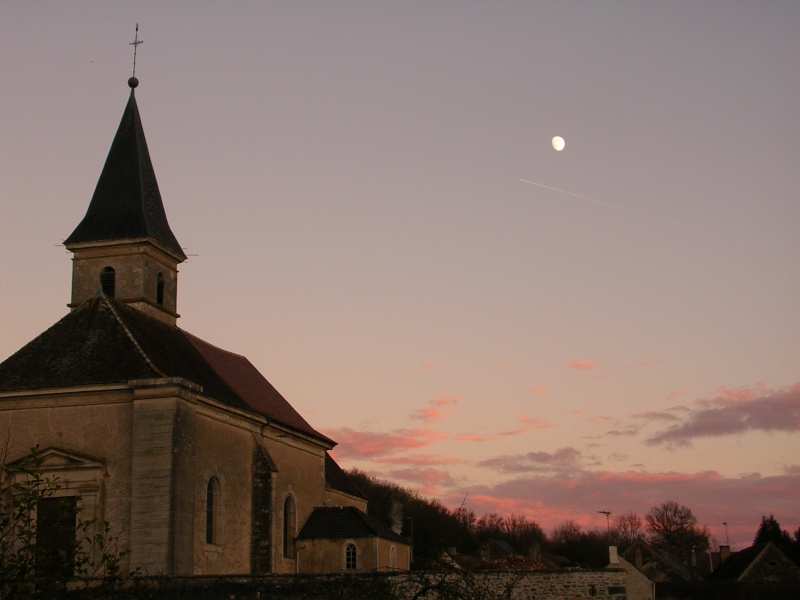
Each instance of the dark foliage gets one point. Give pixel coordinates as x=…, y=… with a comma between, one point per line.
x=770, y=531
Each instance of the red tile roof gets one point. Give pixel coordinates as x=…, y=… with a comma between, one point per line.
x=104, y=341
x=257, y=393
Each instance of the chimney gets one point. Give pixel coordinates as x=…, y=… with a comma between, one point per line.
x=613, y=557
x=724, y=553
x=639, y=559
x=536, y=552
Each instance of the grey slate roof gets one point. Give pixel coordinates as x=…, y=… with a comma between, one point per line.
x=345, y=522
x=127, y=203
x=760, y=563
x=735, y=566
x=104, y=342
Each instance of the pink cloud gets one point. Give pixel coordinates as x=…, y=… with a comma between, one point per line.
x=589, y=416
x=582, y=365
x=626, y=432
x=533, y=422
x=674, y=394
x=539, y=389
x=726, y=394
x=428, y=366
x=438, y=408
x=420, y=459
x=528, y=424
x=371, y=444
x=426, y=481
x=474, y=437
x=563, y=458
x=735, y=412
x=653, y=415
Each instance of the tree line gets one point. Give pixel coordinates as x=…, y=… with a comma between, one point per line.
x=434, y=528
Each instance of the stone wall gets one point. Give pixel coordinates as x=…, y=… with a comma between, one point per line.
x=519, y=585
x=577, y=585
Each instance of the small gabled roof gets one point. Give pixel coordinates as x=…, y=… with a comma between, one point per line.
x=337, y=479
x=335, y=522
x=737, y=564
x=760, y=563
x=658, y=565
x=106, y=342
x=127, y=202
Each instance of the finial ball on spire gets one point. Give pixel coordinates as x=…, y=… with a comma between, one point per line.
x=133, y=82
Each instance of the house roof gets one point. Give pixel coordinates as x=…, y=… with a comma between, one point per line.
x=764, y=562
x=127, y=203
x=658, y=565
x=334, y=522
x=104, y=342
x=337, y=479
x=737, y=563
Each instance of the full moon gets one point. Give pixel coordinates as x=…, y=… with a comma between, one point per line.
x=558, y=143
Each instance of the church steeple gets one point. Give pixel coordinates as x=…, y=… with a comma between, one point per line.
x=124, y=246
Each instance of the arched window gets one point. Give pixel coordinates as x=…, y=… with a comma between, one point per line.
x=108, y=281
x=393, y=557
x=350, y=557
x=213, y=506
x=160, y=289
x=289, y=523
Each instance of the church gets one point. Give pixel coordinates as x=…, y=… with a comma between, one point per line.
x=197, y=463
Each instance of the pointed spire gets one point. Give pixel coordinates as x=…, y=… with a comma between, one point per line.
x=127, y=203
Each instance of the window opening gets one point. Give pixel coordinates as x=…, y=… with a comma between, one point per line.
x=56, y=535
x=212, y=511
x=350, y=557
x=108, y=282
x=289, y=520
x=160, y=289
x=393, y=557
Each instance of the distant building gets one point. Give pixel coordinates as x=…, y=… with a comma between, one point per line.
x=657, y=564
x=197, y=462
x=760, y=563
x=637, y=585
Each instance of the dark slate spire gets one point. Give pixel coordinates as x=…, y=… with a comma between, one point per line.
x=126, y=203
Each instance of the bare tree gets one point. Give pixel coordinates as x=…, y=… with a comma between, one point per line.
x=28, y=568
x=627, y=528
x=674, y=526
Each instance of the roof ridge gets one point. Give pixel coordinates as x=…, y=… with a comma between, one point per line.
x=189, y=334
x=131, y=337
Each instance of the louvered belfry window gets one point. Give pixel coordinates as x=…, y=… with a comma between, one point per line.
x=108, y=281
x=160, y=289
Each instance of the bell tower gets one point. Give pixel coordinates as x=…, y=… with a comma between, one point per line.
x=124, y=248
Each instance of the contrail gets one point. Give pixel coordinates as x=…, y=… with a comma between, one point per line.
x=596, y=201
x=554, y=189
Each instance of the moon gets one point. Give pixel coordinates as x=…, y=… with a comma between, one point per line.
x=558, y=143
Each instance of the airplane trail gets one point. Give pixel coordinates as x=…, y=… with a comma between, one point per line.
x=596, y=201
x=568, y=193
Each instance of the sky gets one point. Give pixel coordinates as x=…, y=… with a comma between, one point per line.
x=375, y=216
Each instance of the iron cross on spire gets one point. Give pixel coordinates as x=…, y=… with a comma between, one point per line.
x=135, y=43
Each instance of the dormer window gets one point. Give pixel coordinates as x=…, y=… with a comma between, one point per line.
x=160, y=289
x=108, y=282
